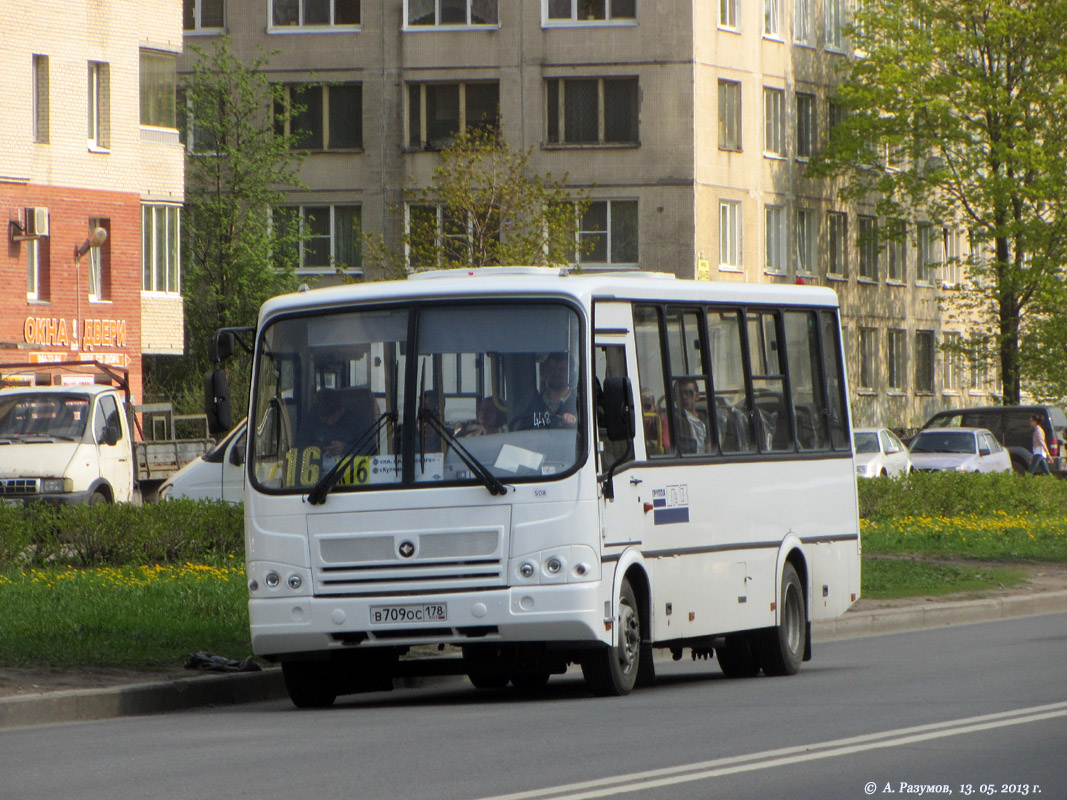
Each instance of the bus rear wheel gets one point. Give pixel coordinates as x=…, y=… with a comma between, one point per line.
x=738, y=657
x=612, y=671
x=310, y=684
x=783, y=645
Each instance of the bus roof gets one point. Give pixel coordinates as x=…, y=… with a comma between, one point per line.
x=512, y=282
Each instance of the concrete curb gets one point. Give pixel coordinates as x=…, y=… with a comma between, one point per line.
x=79, y=705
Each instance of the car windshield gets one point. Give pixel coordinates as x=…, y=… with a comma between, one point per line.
x=471, y=393
x=43, y=416
x=866, y=442
x=944, y=442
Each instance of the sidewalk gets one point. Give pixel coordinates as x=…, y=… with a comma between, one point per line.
x=74, y=705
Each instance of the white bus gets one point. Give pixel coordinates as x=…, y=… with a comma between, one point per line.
x=535, y=469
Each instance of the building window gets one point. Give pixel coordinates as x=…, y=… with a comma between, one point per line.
x=452, y=13
x=314, y=13
x=730, y=235
x=434, y=235
x=160, y=235
x=835, y=23
x=99, y=107
x=729, y=115
x=868, y=353
x=563, y=11
x=36, y=268
x=772, y=121
x=837, y=226
x=867, y=245
x=330, y=117
x=775, y=240
x=952, y=266
x=802, y=28
x=40, y=99
x=592, y=110
x=805, y=242
x=100, y=262
x=328, y=236
x=952, y=362
x=835, y=115
x=159, y=89
x=897, y=250
x=896, y=342
x=203, y=15
x=730, y=14
x=772, y=18
x=438, y=111
x=924, y=362
x=607, y=233
x=805, y=126
x=927, y=253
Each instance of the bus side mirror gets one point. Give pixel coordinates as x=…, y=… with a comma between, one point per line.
x=217, y=402
x=619, y=421
x=221, y=346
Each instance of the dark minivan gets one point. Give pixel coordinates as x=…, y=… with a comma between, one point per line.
x=1011, y=426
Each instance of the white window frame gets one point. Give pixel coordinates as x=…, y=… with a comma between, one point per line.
x=805, y=241
x=867, y=248
x=197, y=9
x=836, y=18
x=951, y=362
x=729, y=100
x=926, y=254
x=773, y=123
x=897, y=360
x=897, y=253
x=730, y=15
x=171, y=248
x=96, y=263
x=573, y=20
x=33, y=269
x=952, y=265
x=772, y=19
x=867, y=355
x=302, y=246
x=438, y=25
x=803, y=31
x=325, y=120
x=302, y=27
x=731, y=231
x=609, y=234
x=805, y=122
x=837, y=245
x=602, y=112
x=775, y=240
x=98, y=110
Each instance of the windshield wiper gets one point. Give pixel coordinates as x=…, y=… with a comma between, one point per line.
x=492, y=483
x=319, y=491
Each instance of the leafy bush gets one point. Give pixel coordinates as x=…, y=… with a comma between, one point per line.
x=124, y=534
x=957, y=494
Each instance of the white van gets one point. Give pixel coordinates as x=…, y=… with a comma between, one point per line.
x=218, y=475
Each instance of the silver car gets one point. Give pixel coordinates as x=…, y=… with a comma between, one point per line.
x=879, y=453
x=959, y=449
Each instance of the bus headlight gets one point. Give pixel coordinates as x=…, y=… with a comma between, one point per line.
x=295, y=582
x=272, y=580
x=553, y=565
x=527, y=570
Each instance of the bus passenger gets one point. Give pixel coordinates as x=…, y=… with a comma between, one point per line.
x=490, y=419
x=332, y=425
x=690, y=426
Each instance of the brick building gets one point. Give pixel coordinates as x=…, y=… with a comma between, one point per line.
x=88, y=141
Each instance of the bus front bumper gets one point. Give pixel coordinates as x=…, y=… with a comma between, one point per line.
x=562, y=613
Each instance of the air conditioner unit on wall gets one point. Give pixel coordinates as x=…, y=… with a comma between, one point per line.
x=36, y=222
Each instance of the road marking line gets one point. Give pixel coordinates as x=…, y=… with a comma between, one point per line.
x=702, y=770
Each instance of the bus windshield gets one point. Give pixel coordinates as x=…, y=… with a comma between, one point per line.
x=405, y=395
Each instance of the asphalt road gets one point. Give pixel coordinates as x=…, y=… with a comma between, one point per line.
x=983, y=705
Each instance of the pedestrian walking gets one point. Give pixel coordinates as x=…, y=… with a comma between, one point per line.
x=1039, y=459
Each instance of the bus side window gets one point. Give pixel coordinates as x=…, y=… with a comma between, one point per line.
x=732, y=410
x=653, y=383
x=610, y=363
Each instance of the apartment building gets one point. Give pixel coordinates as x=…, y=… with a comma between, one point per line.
x=91, y=184
x=688, y=122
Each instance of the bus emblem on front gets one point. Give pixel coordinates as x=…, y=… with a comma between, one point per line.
x=406, y=549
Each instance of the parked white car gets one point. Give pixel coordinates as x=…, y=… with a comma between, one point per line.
x=218, y=475
x=879, y=453
x=959, y=449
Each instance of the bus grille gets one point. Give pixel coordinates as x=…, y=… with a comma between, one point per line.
x=382, y=564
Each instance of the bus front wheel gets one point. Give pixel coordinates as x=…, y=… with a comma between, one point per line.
x=612, y=671
x=310, y=684
x=783, y=645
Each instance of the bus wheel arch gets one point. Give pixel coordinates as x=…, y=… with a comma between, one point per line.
x=614, y=670
x=783, y=646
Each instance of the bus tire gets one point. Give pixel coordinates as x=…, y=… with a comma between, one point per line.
x=488, y=680
x=310, y=684
x=98, y=498
x=612, y=671
x=738, y=658
x=530, y=681
x=783, y=645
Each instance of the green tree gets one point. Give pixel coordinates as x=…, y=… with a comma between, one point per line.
x=483, y=207
x=955, y=112
x=233, y=258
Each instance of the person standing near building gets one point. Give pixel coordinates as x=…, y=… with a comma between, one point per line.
x=1039, y=459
